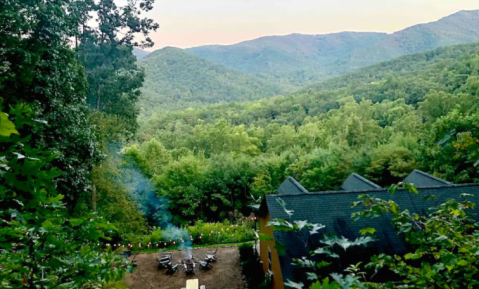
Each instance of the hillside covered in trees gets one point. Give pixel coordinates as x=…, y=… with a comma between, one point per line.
x=278, y=65
x=381, y=122
x=178, y=79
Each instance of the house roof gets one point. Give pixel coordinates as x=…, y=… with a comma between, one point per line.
x=421, y=180
x=292, y=187
x=333, y=209
x=356, y=182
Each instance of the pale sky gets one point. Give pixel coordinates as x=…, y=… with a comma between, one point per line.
x=188, y=23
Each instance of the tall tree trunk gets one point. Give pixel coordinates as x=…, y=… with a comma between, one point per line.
x=98, y=98
x=93, y=198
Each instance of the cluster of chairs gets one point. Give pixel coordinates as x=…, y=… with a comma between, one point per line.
x=165, y=262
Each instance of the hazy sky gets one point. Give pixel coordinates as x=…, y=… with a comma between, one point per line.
x=187, y=23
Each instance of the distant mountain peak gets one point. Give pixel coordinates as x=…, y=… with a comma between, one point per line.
x=139, y=53
x=302, y=59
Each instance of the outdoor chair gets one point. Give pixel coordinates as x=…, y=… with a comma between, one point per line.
x=163, y=260
x=164, y=265
x=205, y=265
x=171, y=269
x=212, y=255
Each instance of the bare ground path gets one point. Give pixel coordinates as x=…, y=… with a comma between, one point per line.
x=226, y=272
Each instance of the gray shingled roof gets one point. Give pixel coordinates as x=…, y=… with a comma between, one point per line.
x=292, y=187
x=422, y=180
x=333, y=209
x=356, y=182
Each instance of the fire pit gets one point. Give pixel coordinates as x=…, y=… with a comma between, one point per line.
x=185, y=260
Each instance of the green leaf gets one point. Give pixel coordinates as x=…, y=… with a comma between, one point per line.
x=265, y=237
x=314, y=228
x=294, y=285
x=6, y=126
x=449, y=259
x=324, y=285
x=345, y=282
x=312, y=276
x=322, y=264
x=411, y=188
x=300, y=224
x=325, y=251
x=463, y=263
x=394, y=207
x=47, y=225
x=76, y=222
x=367, y=231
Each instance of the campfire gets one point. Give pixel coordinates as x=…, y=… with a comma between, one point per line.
x=188, y=260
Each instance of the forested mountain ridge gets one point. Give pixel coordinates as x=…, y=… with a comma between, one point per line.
x=407, y=64
x=296, y=57
x=381, y=122
x=305, y=59
x=177, y=79
x=409, y=77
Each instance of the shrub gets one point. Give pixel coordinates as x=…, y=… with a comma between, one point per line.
x=251, y=267
x=199, y=234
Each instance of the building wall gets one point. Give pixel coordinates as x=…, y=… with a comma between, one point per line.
x=277, y=277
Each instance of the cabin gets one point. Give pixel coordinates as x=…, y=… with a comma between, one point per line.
x=333, y=209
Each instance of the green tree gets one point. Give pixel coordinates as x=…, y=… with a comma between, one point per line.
x=42, y=70
x=105, y=51
x=437, y=104
x=42, y=245
x=182, y=183
x=453, y=149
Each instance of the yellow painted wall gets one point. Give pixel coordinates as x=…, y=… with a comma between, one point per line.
x=277, y=277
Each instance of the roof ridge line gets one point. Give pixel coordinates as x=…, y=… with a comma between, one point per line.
x=372, y=191
x=432, y=177
x=298, y=185
x=366, y=180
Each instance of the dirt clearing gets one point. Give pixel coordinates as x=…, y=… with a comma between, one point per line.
x=225, y=274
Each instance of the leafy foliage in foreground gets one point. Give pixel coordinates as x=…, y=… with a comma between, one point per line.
x=39, y=68
x=42, y=245
x=443, y=248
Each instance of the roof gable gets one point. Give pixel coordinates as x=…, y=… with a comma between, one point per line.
x=291, y=187
x=356, y=182
x=421, y=179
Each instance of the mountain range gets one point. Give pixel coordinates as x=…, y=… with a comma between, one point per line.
x=177, y=79
x=305, y=59
x=289, y=62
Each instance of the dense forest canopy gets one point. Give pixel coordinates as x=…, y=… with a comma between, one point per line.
x=178, y=79
x=381, y=122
